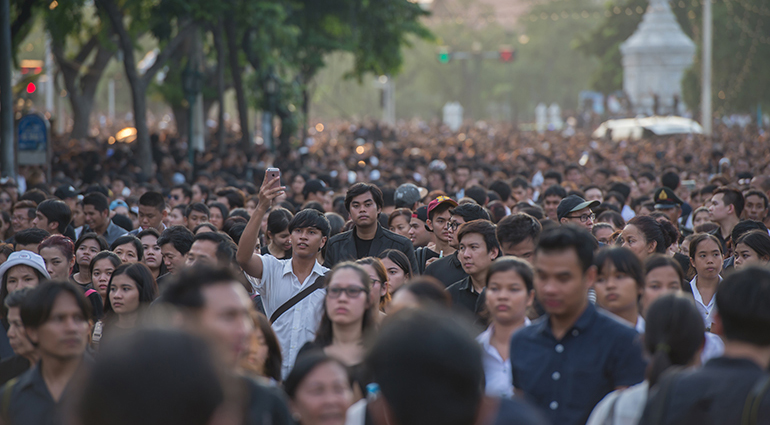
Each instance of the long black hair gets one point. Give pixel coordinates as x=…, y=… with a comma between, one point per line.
x=673, y=335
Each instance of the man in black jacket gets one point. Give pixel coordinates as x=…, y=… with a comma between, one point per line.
x=367, y=238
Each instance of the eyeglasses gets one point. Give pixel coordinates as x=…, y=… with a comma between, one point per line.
x=350, y=291
x=583, y=218
x=453, y=225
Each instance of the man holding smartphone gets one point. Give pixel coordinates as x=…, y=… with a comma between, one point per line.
x=291, y=289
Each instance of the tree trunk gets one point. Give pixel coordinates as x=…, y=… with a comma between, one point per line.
x=218, y=35
x=81, y=82
x=236, y=72
x=138, y=83
x=182, y=120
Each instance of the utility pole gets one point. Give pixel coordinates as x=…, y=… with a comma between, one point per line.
x=705, y=97
x=6, y=98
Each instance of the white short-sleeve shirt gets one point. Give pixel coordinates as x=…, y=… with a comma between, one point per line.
x=298, y=325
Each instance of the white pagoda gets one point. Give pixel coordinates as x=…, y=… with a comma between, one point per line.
x=654, y=60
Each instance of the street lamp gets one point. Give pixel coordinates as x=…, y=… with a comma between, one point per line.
x=192, y=79
x=271, y=91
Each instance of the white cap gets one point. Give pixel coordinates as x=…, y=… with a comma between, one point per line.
x=24, y=258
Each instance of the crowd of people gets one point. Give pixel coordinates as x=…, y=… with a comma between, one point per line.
x=394, y=276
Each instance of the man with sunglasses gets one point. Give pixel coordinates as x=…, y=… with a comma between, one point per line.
x=576, y=210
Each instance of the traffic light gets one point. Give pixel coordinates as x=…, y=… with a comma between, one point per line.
x=507, y=54
x=443, y=55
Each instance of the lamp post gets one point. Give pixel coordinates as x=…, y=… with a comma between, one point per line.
x=271, y=90
x=191, y=83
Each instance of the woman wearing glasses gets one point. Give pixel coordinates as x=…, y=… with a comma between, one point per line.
x=347, y=319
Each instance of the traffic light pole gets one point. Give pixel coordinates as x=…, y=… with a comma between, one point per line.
x=6, y=97
x=471, y=85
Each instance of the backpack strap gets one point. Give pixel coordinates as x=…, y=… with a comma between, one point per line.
x=751, y=407
x=318, y=284
x=89, y=292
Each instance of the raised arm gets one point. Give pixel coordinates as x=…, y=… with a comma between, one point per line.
x=250, y=261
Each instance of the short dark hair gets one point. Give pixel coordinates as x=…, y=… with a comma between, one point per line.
x=743, y=302
x=470, y=212
x=37, y=306
x=197, y=207
x=520, y=182
x=403, y=362
x=185, y=290
x=129, y=239
x=361, y=188
x=477, y=193
x=206, y=225
x=670, y=180
x=485, y=228
x=655, y=261
x=516, y=228
x=428, y=291
x=154, y=200
x=759, y=193
x=179, y=236
x=745, y=226
x=56, y=211
x=647, y=175
x=235, y=196
x=30, y=236
x=567, y=237
x=31, y=207
x=97, y=200
x=151, y=231
x=555, y=175
x=226, y=248
x=35, y=195
x=310, y=218
x=278, y=220
x=731, y=197
x=510, y=263
x=502, y=188
x=555, y=190
x=185, y=188
x=167, y=377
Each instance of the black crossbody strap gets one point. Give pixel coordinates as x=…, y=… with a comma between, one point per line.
x=318, y=284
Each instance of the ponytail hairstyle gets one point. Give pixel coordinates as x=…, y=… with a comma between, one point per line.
x=661, y=231
x=673, y=335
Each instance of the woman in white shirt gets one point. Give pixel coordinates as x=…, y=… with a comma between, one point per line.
x=674, y=337
x=706, y=259
x=508, y=295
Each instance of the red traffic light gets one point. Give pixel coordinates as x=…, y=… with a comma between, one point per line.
x=506, y=55
x=31, y=88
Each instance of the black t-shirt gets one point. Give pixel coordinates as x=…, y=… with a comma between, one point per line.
x=362, y=246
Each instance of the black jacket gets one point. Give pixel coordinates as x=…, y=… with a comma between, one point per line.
x=342, y=247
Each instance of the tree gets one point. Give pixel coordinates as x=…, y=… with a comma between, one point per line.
x=157, y=20
x=69, y=24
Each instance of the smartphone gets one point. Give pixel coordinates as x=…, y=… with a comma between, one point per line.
x=272, y=173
